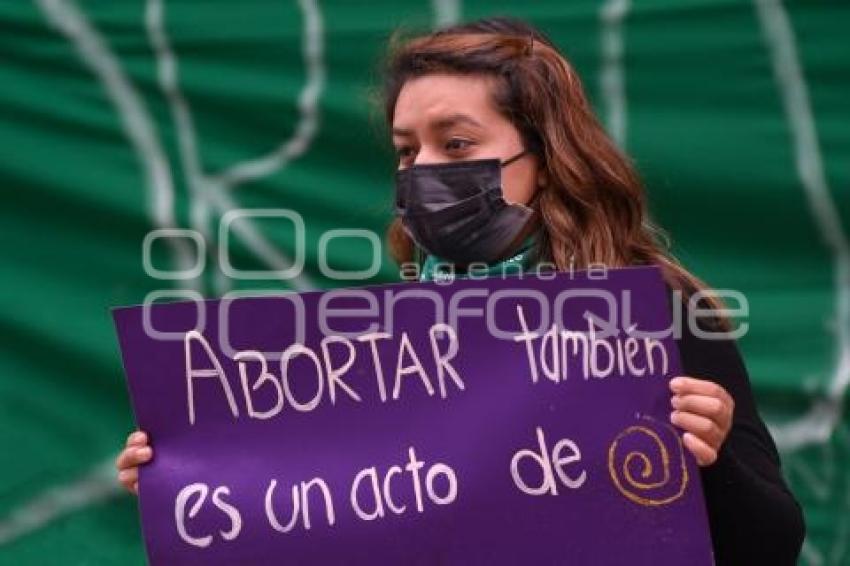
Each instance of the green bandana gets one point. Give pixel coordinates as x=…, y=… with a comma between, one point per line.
x=436, y=269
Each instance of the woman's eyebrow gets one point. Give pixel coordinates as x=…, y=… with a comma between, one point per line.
x=442, y=123
x=447, y=122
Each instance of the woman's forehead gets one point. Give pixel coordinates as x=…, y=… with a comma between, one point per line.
x=439, y=100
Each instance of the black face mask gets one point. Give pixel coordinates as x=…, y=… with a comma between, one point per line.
x=457, y=212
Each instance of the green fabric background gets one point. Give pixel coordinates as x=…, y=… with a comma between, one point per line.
x=737, y=113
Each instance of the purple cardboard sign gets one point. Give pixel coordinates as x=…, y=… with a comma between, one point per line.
x=493, y=421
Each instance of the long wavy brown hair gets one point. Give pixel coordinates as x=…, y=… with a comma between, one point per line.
x=593, y=208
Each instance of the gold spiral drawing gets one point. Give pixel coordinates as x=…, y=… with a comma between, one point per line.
x=635, y=488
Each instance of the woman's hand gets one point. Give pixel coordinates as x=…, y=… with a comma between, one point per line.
x=136, y=453
x=704, y=410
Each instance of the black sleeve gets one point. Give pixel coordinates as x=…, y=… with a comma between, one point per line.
x=754, y=517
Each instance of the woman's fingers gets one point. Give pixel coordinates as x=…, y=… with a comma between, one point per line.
x=709, y=407
x=704, y=410
x=703, y=428
x=135, y=453
x=124, y=459
x=128, y=477
x=143, y=454
x=683, y=385
x=137, y=438
x=133, y=456
x=704, y=454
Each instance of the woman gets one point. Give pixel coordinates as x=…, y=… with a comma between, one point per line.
x=503, y=166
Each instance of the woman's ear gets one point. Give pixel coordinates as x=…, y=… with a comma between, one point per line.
x=542, y=177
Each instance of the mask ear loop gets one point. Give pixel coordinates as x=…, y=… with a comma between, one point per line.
x=507, y=162
x=534, y=203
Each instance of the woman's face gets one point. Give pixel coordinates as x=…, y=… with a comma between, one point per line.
x=443, y=117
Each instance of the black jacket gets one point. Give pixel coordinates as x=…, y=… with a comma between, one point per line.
x=755, y=519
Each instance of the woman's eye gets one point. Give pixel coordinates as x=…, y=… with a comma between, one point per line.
x=457, y=144
x=404, y=151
